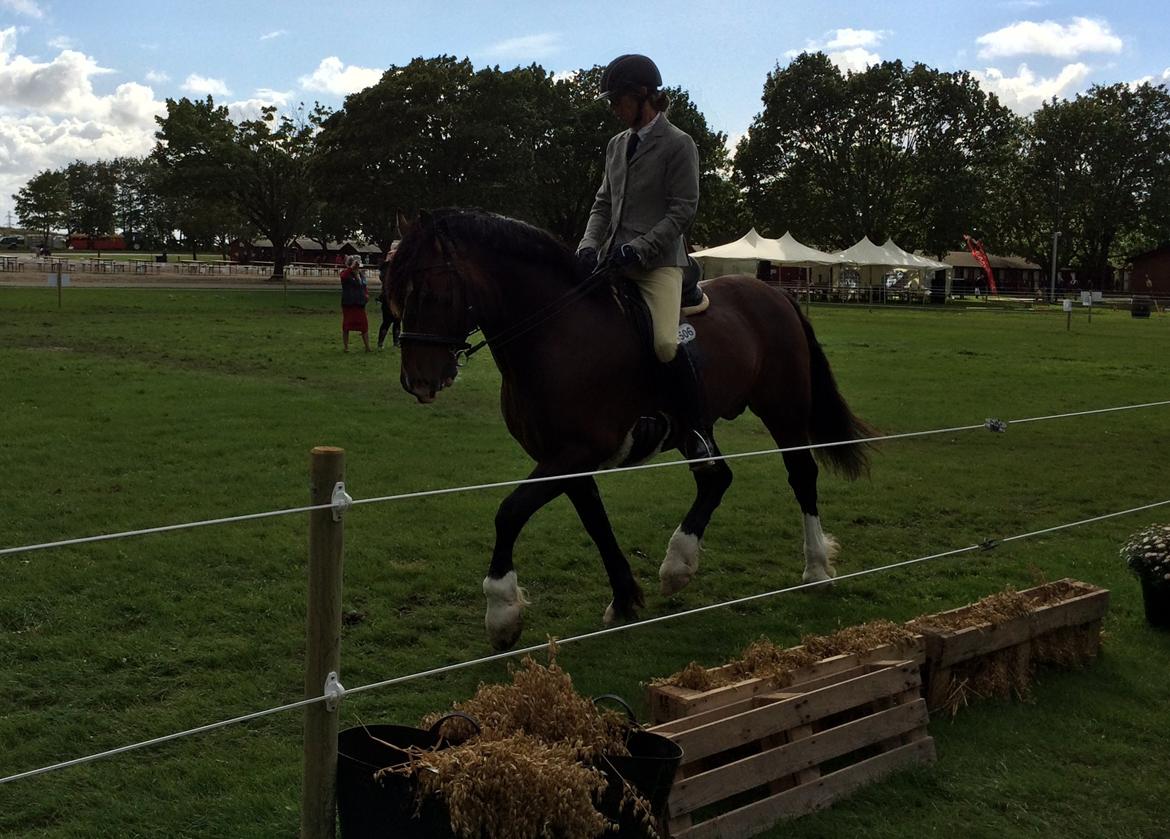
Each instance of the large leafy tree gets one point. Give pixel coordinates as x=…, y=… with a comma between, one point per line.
x=521, y=142
x=258, y=170
x=1097, y=168
x=912, y=153
x=43, y=203
x=93, y=197
x=392, y=145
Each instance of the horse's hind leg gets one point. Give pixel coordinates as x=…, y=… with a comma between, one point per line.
x=819, y=548
x=686, y=544
x=627, y=594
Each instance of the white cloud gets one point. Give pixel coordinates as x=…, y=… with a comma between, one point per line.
x=29, y=8
x=62, y=42
x=1025, y=91
x=847, y=38
x=331, y=76
x=204, y=86
x=60, y=86
x=252, y=108
x=1050, y=38
x=854, y=60
x=157, y=77
x=847, y=48
x=1166, y=75
x=526, y=47
x=51, y=115
x=276, y=33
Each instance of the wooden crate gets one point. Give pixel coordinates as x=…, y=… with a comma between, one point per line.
x=668, y=702
x=794, y=751
x=951, y=653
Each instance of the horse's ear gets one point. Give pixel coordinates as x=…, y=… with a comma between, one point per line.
x=405, y=225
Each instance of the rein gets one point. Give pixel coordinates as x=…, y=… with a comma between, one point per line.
x=462, y=349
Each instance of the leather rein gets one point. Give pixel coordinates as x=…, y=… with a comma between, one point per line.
x=460, y=347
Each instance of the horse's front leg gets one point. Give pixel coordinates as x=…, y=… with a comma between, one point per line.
x=627, y=594
x=504, y=619
x=686, y=544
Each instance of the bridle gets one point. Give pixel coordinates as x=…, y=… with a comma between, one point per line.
x=460, y=347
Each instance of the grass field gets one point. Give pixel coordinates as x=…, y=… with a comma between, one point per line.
x=134, y=408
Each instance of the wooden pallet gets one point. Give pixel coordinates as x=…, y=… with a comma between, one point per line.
x=950, y=651
x=669, y=702
x=781, y=754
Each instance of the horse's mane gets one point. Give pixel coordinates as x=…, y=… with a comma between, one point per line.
x=506, y=237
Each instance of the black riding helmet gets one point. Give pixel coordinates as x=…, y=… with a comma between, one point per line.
x=628, y=72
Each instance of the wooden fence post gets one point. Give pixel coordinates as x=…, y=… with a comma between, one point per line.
x=323, y=648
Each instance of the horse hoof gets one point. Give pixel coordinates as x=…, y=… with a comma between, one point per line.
x=616, y=617
x=681, y=562
x=672, y=583
x=504, y=619
x=505, y=639
x=819, y=575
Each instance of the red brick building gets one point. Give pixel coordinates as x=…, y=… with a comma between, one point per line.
x=1150, y=273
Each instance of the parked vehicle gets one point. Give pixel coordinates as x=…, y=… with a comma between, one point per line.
x=13, y=243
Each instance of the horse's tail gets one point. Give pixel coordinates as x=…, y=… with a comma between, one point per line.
x=831, y=420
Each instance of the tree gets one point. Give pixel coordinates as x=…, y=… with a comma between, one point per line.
x=518, y=142
x=93, y=197
x=891, y=151
x=43, y=203
x=258, y=169
x=1096, y=168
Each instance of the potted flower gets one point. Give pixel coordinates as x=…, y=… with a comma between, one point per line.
x=1147, y=553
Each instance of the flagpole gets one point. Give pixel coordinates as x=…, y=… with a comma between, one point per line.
x=1055, y=239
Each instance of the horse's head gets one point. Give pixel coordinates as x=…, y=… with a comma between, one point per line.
x=429, y=296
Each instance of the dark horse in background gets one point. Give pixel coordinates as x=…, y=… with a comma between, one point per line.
x=578, y=379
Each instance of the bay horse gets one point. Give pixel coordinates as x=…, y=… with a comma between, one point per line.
x=580, y=391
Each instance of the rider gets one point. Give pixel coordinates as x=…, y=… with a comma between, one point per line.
x=647, y=200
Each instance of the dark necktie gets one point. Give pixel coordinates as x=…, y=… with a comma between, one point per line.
x=632, y=145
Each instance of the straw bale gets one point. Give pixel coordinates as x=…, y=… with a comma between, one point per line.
x=542, y=703
x=515, y=787
x=763, y=659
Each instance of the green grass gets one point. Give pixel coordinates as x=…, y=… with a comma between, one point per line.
x=135, y=408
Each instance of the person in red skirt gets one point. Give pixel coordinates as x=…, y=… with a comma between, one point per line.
x=354, y=295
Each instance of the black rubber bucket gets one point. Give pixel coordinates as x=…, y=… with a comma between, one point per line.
x=1156, y=599
x=649, y=768
x=374, y=808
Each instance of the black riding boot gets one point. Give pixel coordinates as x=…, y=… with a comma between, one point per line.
x=686, y=396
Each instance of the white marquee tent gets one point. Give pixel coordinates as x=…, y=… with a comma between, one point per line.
x=744, y=255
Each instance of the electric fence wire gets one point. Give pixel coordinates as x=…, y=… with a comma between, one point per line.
x=985, y=545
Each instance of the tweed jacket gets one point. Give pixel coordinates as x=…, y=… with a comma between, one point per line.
x=649, y=202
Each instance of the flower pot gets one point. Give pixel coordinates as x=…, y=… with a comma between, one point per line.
x=1157, y=601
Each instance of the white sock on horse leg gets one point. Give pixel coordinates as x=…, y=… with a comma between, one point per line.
x=819, y=550
x=681, y=562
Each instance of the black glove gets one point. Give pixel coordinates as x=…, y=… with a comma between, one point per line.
x=587, y=260
x=626, y=256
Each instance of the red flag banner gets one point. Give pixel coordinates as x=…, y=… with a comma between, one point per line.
x=975, y=246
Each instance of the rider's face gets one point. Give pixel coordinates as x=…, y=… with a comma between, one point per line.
x=626, y=108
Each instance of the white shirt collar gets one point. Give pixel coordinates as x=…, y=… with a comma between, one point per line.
x=645, y=129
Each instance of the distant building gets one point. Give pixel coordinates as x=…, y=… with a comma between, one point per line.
x=302, y=249
x=1013, y=275
x=1150, y=273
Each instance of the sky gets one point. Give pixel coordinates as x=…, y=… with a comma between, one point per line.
x=81, y=79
